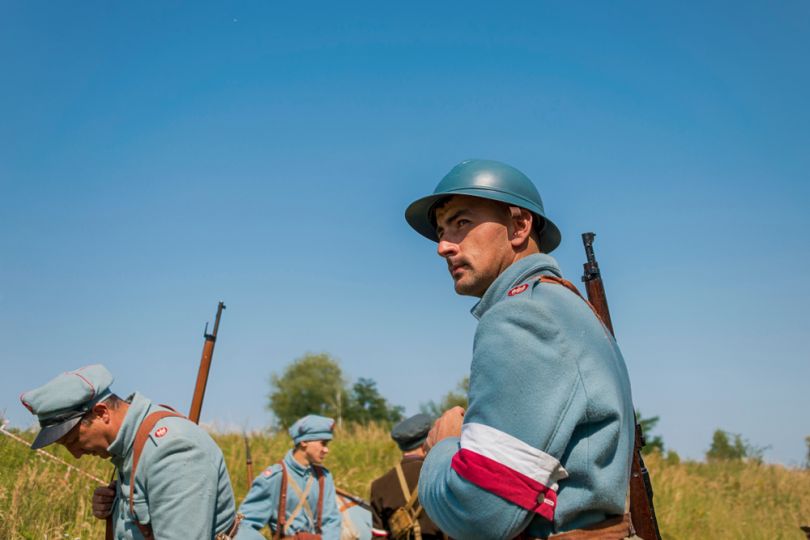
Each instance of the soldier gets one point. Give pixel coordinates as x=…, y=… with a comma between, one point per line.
x=297, y=495
x=545, y=445
x=395, y=491
x=172, y=482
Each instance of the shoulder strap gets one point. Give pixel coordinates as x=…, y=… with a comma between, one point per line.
x=320, y=474
x=303, y=502
x=403, y=484
x=140, y=440
x=411, y=499
x=281, y=522
x=571, y=287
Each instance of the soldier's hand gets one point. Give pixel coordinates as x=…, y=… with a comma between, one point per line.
x=448, y=425
x=103, y=499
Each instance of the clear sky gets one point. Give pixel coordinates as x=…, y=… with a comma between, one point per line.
x=157, y=158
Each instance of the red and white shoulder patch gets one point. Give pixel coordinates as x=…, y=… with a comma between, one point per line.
x=517, y=290
x=161, y=431
x=267, y=472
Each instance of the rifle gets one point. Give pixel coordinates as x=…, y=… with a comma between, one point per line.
x=248, y=461
x=205, y=367
x=642, y=511
x=353, y=498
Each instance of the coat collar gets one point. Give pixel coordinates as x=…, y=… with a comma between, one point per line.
x=517, y=272
x=138, y=408
x=293, y=465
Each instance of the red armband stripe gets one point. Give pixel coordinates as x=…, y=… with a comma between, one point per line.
x=506, y=483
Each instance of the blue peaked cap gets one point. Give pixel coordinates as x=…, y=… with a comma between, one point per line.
x=410, y=433
x=60, y=403
x=312, y=428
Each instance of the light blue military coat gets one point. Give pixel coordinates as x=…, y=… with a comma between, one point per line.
x=548, y=435
x=182, y=486
x=260, y=506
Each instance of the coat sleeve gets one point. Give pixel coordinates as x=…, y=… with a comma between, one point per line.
x=331, y=521
x=181, y=485
x=504, y=469
x=260, y=504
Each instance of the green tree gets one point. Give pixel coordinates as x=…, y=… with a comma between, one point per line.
x=723, y=449
x=367, y=405
x=651, y=443
x=312, y=384
x=450, y=399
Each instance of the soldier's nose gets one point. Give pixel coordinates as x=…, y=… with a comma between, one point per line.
x=445, y=248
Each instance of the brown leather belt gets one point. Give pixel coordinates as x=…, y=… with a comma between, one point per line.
x=616, y=528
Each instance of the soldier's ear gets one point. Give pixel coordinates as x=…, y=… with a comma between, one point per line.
x=101, y=411
x=521, y=221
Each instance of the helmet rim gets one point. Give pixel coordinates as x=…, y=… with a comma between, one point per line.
x=418, y=213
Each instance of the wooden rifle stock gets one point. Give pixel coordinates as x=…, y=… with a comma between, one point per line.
x=642, y=511
x=205, y=367
x=248, y=461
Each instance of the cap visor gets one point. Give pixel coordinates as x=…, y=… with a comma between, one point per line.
x=51, y=434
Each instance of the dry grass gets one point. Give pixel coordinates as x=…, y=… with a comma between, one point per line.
x=730, y=500
x=40, y=499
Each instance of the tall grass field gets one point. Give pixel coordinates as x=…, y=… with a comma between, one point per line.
x=43, y=499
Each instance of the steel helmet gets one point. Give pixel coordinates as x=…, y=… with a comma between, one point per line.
x=489, y=180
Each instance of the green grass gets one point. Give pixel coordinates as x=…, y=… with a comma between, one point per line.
x=40, y=499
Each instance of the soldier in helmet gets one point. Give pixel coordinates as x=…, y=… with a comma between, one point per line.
x=545, y=445
x=296, y=496
x=172, y=481
x=395, y=491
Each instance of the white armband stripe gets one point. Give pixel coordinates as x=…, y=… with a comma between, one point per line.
x=513, y=453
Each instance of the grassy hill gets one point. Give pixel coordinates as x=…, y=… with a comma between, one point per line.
x=42, y=499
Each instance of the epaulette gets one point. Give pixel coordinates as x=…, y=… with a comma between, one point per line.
x=270, y=471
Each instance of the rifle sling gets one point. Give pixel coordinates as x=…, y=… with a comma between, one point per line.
x=141, y=437
x=281, y=521
x=412, y=498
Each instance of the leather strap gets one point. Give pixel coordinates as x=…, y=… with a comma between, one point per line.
x=411, y=499
x=403, y=484
x=281, y=520
x=320, y=475
x=615, y=528
x=282, y=502
x=140, y=440
x=345, y=503
x=571, y=287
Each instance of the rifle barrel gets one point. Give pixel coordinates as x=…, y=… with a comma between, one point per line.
x=205, y=367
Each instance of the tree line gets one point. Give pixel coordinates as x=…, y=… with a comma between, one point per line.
x=315, y=384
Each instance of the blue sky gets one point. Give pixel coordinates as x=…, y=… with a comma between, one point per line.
x=155, y=159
